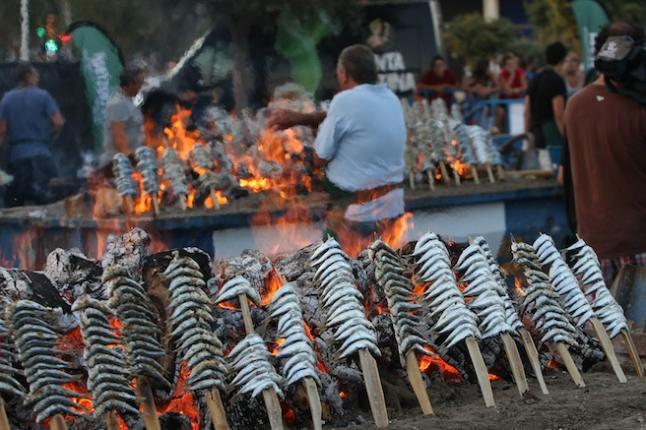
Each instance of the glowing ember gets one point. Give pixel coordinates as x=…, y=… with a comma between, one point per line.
x=272, y=285
x=493, y=377
x=518, y=284
x=428, y=363
x=343, y=394
x=289, y=415
x=275, y=350
x=85, y=404
x=182, y=402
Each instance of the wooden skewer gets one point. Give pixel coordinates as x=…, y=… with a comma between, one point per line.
x=416, y=381
x=246, y=314
x=58, y=423
x=373, y=388
x=608, y=349
x=411, y=180
x=481, y=371
x=532, y=353
x=516, y=364
x=151, y=419
x=632, y=353
x=445, y=173
x=4, y=419
x=128, y=205
x=456, y=178
x=492, y=178
x=273, y=409
x=562, y=350
x=501, y=172
x=431, y=179
x=474, y=173
x=216, y=409
x=182, y=202
x=214, y=197
x=112, y=420
x=314, y=401
x=155, y=205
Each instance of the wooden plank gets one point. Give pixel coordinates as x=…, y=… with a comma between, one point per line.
x=456, y=178
x=492, y=178
x=374, y=390
x=272, y=405
x=516, y=364
x=416, y=381
x=4, y=419
x=246, y=314
x=216, y=409
x=532, y=354
x=58, y=423
x=151, y=420
x=632, y=353
x=314, y=401
x=481, y=371
x=608, y=349
x=563, y=351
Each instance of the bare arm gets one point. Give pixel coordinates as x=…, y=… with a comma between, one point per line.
x=120, y=137
x=558, y=107
x=282, y=119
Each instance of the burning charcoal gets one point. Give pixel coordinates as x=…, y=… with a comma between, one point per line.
x=563, y=281
x=236, y=287
x=391, y=276
x=299, y=361
x=147, y=166
x=8, y=383
x=45, y=374
x=250, y=361
x=449, y=316
x=342, y=301
x=174, y=172
x=198, y=347
x=140, y=332
x=123, y=171
x=586, y=266
x=485, y=293
x=511, y=316
x=540, y=301
x=108, y=375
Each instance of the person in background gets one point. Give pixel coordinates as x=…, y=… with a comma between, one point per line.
x=361, y=141
x=545, y=100
x=573, y=74
x=482, y=84
x=606, y=134
x=529, y=65
x=439, y=80
x=124, y=124
x=512, y=79
x=29, y=120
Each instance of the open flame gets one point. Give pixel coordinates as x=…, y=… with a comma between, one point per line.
x=432, y=361
x=493, y=377
x=518, y=285
x=182, y=402
x=272, y=285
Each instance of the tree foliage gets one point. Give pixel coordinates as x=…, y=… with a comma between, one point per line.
x=470, y=38
x=633, y=11
x=553, y=20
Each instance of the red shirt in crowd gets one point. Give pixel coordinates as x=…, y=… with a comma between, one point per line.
x=516, y=81
x=430, y=78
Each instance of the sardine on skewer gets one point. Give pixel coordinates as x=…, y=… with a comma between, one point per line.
x=174, y=172
x=390, y=274
x=122, y=169
x=35, y=340
x=449, y=316
x=197, y=346
x=252, y=370
x=147, y=166
x=295, y=351
x=342, y=303
x=586, y=266
x=140, y=331
x=8, y=383
x=108, y=375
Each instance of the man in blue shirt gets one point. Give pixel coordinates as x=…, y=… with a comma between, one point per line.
x=29, y=120
x=362, y=141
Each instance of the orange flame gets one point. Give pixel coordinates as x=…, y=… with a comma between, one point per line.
x=493, y=377
x=432, y=361
x=343, y=394
x=182, y=401
x=272, y=285
x=518, y=284
x=289, y=416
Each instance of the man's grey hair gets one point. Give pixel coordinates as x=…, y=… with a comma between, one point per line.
x=359, y=62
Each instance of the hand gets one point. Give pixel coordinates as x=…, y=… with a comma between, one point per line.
x=283, y=118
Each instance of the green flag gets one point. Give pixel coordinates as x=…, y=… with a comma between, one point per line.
x=101, y=65
x=590, y=17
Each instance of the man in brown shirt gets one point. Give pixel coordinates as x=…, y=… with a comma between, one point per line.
x=606, y=133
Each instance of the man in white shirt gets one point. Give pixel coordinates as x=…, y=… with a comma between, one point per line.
x=361, y=140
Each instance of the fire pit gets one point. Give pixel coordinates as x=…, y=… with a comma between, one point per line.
x=190, y=343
